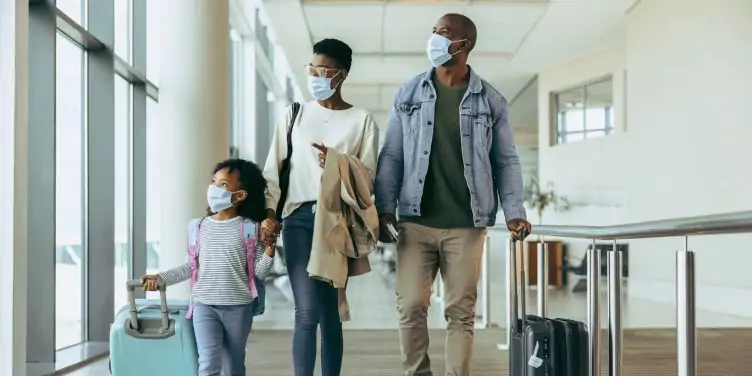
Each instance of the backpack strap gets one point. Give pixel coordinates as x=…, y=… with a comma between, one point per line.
x=194, y=228
x=248, y=227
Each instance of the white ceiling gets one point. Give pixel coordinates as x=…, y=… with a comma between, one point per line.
x=516, y=38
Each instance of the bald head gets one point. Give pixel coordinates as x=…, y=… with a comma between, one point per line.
x=460, y=27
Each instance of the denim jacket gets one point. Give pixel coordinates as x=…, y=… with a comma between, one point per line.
x=492, y=166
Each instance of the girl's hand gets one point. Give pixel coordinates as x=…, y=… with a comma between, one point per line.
x=269, y=231
x=149, y=281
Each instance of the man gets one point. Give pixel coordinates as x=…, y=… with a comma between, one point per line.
x=448, y=150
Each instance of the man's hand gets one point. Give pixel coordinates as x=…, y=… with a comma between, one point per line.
x=519, y=228
x=269, y=232
x=384, y=235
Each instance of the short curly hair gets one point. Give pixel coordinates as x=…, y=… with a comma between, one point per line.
x=336, y=50
x=253, y=182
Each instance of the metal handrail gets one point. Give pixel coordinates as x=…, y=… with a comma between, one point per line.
x=727, y=223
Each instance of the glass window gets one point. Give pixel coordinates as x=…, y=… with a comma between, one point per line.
x=595, y=118
x=153, y=182
x=153, y=27
x=69, y=214
x=573, y=120
x=73, y=9
x=584, y=112
x=123, y=28
x=122, y=189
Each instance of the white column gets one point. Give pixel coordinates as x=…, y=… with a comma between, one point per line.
x=248, y=98
x=14, y=27
x=194, y=107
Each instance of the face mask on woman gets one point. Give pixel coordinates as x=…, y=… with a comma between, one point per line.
x=321, y=87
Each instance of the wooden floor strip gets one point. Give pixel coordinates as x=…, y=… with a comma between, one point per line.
x=721, y=352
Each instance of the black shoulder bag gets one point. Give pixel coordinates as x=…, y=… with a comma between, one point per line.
x=284, y=169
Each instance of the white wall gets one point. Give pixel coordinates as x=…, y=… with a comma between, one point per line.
x=588, y=173
x=684, y=152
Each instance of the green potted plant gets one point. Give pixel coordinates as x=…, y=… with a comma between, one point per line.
x=540, y=199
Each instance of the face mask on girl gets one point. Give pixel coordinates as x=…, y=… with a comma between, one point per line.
x=438, y=49
x=321, y=87
x=219, y=198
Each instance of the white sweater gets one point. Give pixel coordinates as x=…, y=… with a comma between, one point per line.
x=352, y=131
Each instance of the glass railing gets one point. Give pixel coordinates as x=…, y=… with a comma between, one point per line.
x=686, y=327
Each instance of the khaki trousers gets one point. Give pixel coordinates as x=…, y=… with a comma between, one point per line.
x=421, y=253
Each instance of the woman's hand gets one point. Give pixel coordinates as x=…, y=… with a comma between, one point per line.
x=269, y=232
x=150, y=282
x=322, y=153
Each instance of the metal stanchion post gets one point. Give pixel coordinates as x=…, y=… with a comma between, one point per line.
x=542, y=278
x=615, y=330
x=510, y=273
x=686, y=327
x=593, y=311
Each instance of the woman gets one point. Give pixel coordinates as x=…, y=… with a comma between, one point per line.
x=326, y=122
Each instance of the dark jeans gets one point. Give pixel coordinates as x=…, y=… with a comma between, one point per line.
x=316, y=302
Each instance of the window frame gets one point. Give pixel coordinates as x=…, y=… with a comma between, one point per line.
x=558, y=122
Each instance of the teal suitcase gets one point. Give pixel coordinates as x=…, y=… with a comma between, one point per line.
x=160, y=343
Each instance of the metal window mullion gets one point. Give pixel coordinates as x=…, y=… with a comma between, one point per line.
x=138, y=145
x=90, y=40
x=41, y=313
x=100, y=168
x=607, y=114
x=129, y=209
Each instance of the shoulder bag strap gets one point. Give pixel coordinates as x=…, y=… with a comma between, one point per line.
x=293, y=116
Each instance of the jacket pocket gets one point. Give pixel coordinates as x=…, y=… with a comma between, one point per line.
x=410, y=115
x=482, y=127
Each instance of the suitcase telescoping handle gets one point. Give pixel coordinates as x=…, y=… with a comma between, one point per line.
x=519, y=316
x=162, y=286
x=518, y=280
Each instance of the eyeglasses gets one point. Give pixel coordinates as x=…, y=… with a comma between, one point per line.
x=312, y=71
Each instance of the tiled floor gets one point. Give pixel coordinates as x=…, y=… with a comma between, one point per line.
x=373, y=307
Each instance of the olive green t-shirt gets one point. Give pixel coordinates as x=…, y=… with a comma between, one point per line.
x=446, y=197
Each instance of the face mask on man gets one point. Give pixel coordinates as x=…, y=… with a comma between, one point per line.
x=321, y=87
x=218, y=198
x=438, y=49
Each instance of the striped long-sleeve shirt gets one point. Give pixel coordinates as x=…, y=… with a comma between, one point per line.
x=223, y=267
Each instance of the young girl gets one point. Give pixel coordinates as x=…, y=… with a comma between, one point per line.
x=223, y=293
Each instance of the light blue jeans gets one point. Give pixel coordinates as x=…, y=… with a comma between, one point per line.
x=221, y=336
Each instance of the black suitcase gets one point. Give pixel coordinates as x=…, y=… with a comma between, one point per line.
x=540, y=346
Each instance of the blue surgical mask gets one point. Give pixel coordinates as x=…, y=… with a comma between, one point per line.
x=321, y=87
x=218, y=198
x=438, y=49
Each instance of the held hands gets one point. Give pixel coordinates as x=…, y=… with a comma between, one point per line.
x=269, y=231
x=519, y=228
x=322, y=153
x=149, y=281
x=385, y=236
